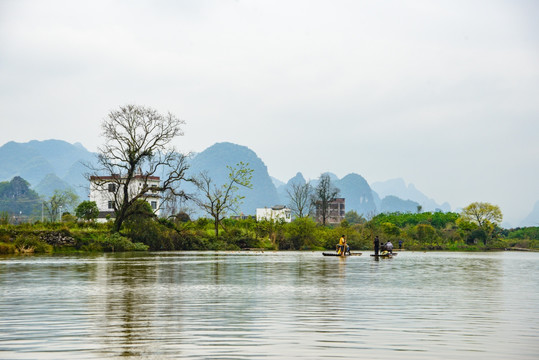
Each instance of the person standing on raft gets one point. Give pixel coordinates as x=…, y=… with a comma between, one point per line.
x=376, y=245
x=342, y=247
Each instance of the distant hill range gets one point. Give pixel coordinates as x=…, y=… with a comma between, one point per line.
x=46, y=165
x=55, y=164
x=533, y=218
x=397, y=189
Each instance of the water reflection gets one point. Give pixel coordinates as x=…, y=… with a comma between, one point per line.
x=269, y=305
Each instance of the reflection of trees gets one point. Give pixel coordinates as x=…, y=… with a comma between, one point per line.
x=211, y=303
x=127, y=302
x=321, y=289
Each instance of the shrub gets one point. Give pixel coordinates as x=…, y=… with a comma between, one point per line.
x=7, y=248
x=140, y=247
x=116, y=242
x=300, y=234
x=158, y=235
x=425, y=233
x=240, y=238
x=29, y=243
x=190, y=240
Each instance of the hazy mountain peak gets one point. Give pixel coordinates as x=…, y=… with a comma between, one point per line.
x=331, y=175
x=298, y=179
x=354, y=177
x=79, y=145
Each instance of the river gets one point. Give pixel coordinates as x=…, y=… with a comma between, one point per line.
x=270, y=305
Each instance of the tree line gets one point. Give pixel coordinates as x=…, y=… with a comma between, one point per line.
x=144, y=231
x=138, y=146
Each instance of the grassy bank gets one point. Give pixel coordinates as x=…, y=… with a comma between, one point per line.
x=417, y=232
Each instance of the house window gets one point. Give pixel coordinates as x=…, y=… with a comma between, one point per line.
x=111, y=204
x=112, y=187
x=154, y=204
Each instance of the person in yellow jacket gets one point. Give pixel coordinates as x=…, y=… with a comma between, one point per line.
x=342, y=247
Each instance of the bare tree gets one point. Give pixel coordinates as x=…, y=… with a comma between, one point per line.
x=324, y=194
x=218, y=200
x=137, y=146
x=300, y=199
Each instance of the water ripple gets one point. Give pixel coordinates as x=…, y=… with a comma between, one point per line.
x=229, y=305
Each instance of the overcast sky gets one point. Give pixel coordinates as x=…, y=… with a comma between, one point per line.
x=444, y=94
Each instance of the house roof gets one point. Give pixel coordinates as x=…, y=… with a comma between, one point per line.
x=116, y=177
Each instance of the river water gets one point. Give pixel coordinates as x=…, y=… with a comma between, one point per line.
x=271, y=305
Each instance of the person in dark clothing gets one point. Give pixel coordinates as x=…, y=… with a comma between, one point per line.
x=400, y=244
x=376, y=245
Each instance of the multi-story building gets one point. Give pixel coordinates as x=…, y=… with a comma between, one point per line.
x=103, y=188
x=335, y=212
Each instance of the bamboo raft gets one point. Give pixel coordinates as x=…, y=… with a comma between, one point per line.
x=335, y=254
x=388, y=255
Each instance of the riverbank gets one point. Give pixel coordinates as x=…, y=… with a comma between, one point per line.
x=442, y=233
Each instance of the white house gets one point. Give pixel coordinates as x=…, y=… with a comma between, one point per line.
x=274, y=213
x=102, y=189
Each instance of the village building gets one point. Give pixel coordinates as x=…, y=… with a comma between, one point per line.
x=274, y=213
x=103, y=188
x=336, y=212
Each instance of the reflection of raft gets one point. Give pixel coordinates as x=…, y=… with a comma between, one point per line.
x=335, y=254
x=385, y=255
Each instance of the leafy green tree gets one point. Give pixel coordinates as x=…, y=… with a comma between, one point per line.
x=425, y=233
x=300, y=233
x=87, y=210
x=485, y=215
x=218, y=200
x=354, y=218
x=390, y=229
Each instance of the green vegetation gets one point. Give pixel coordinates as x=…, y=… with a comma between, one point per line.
x=142, y=231
x=17, y=199
x=87, y=210
x=63, y=237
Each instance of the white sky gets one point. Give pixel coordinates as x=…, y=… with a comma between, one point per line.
x=444, y=94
